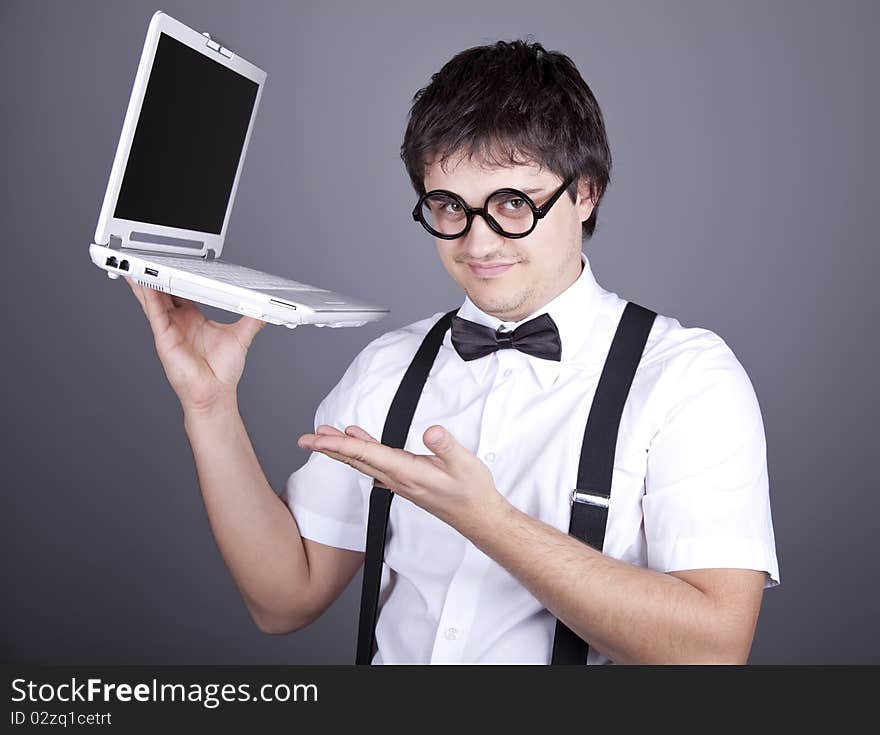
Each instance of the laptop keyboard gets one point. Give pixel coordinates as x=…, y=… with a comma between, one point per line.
x=235, y=275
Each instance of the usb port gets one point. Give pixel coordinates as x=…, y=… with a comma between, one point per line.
x=151, y=271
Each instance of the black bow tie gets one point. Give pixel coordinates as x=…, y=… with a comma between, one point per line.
x=538, y=337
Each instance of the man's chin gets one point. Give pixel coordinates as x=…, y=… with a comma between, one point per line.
x=502, y=307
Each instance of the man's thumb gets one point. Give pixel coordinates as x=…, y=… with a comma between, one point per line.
x=246, y=328
x=440, y=441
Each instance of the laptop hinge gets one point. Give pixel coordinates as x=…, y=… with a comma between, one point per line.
x=116, y=244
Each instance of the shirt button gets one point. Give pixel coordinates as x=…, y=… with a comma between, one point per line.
x=451, y=634
x=490, y=457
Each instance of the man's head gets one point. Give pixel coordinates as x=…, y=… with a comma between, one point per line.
x=511, y=115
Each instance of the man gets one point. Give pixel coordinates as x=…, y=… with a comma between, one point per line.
x=507, y=151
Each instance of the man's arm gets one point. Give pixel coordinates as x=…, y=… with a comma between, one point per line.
x=632, y=614
x=706, y=505
x=286, y=581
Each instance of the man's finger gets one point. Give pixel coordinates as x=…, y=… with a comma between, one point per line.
x=362, y=467
x=375, y=454
x=168, y=301
x=442, y=443
x=137, y=290
x=358, y=433
x=246, y=329
x=389, y=460
x=157, y=305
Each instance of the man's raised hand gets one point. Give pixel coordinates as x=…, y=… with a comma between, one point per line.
x=203, y=359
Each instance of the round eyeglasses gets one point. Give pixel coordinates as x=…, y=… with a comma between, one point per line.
x=509, y=212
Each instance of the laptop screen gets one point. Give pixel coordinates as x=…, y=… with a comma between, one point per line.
x=188, y=141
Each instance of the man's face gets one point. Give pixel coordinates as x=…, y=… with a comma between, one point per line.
x=544, y=263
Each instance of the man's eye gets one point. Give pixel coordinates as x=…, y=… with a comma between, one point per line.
x=453, y=206
x=513, y=204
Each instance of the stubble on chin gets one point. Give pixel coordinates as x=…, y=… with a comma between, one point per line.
x=503, y=306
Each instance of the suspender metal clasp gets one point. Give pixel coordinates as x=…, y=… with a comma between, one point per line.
x=579, y=496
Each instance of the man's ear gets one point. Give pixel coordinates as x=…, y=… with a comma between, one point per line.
x=584, y=203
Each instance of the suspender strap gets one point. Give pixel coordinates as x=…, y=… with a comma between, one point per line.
x=394, y=434
x=589, y=508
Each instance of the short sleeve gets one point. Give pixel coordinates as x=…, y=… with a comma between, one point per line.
x=326, y=497
x=707, y=495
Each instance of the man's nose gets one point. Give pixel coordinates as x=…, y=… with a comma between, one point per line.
x=481, y=239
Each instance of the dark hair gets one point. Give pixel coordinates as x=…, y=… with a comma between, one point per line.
x=511, y=102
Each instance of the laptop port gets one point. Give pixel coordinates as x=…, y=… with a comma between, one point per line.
x=111, y=261
x=151, y=271
x=123, y=265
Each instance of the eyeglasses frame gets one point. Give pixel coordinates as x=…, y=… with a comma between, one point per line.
x=538, y=212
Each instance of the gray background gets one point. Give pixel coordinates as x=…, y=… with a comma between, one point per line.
x=744, y=199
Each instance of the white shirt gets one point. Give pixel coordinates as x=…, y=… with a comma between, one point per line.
x=689, y=486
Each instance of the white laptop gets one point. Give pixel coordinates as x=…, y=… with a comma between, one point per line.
x=173, y=182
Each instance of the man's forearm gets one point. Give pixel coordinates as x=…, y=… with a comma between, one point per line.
x=257, y=536
x=631, y=614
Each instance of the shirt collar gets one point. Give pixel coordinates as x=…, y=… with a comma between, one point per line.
x=574, y=311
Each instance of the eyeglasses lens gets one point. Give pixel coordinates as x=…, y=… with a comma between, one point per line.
x=445, y=215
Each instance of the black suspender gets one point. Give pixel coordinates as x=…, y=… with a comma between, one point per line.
x=403, y=408
x=589, y=507
x=589, y=501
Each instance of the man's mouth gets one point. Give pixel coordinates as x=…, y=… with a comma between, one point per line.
x=489, y=270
